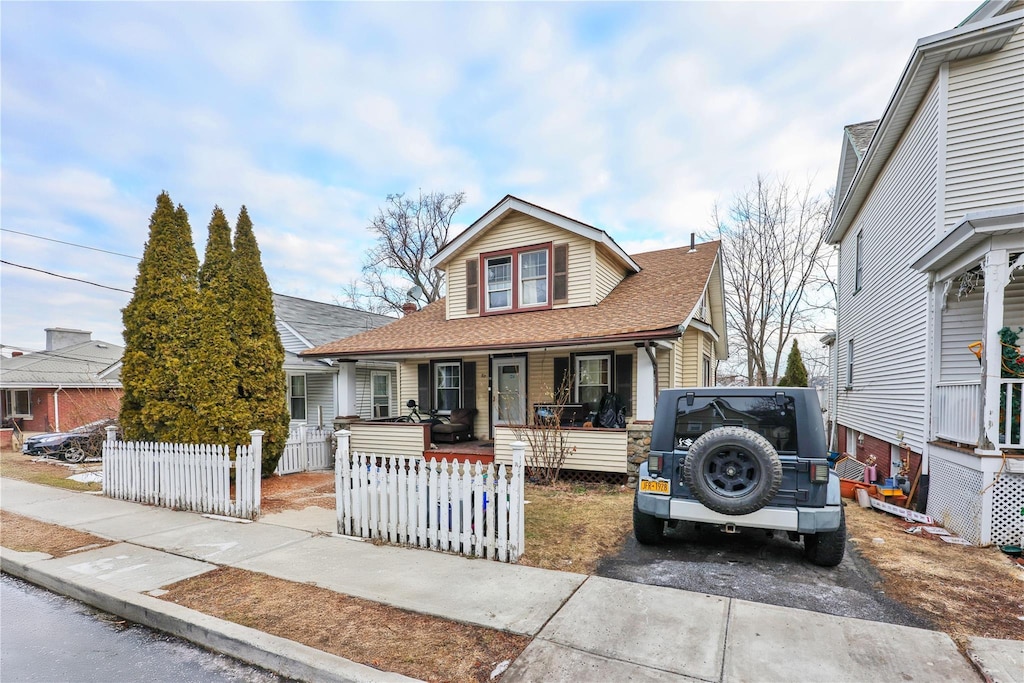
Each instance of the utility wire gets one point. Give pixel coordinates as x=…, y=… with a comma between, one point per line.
x=70, y=244
x=66, y=277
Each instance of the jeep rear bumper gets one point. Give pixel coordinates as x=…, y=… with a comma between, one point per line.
x=800, y=519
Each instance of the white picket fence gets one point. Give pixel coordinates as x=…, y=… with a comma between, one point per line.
x=307, y=448
x=457, y=506
x=193, y=477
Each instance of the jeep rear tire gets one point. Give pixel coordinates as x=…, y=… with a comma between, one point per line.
x=648, y=529
x=733, y=470
x=826, y=549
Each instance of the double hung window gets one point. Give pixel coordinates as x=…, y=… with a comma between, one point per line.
x=447, y=386
x=297, y=396
x=593, y=379
x=18, y=403
x=380, y=388
x=499, y=283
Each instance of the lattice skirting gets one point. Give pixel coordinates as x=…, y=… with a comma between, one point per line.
x=971, y=498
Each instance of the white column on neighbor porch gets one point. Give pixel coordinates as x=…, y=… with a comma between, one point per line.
x=997, y=271
x=347, y=406
x=646, y=391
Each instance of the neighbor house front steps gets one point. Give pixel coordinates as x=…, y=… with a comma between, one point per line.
x=584, y=628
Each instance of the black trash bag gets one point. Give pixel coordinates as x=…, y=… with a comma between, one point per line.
x=611, y=413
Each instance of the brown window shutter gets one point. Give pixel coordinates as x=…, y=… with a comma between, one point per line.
x=560, y=275
x=472, y=286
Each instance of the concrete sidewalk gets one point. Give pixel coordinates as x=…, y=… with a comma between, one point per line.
x=584, y=628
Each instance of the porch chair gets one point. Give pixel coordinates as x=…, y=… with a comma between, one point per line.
x=459, y=429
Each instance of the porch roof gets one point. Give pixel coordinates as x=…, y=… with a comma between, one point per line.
x=651, y=304
x=967, y=242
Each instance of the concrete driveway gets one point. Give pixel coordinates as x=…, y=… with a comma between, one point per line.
x=752, y=566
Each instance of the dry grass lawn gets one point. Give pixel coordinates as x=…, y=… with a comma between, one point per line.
x=965, y=591
x=27, y=535
x=570, y=527
x=50, y=472
x=390, y=639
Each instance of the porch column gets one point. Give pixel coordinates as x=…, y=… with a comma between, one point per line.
x=997, y=271
x=347, y=406
x=646, y=389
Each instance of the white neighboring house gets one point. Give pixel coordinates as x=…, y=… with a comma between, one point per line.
x=320, y=390
x=929, y=219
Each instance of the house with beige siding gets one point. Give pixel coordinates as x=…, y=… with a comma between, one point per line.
x=929, y=221
x=541, y=309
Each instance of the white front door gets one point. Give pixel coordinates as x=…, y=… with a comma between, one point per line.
x=508, y=395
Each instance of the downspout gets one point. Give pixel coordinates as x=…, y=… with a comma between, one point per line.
x=56, y=408
x=654, y=366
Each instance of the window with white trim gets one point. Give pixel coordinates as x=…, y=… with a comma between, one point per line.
x=849, y=364
x=18, y=403
x=499, y=283
x=297, y=397
x=593, y=379
x=380, y=390
x=533, y=278
x=447, y=386
x=858, y=262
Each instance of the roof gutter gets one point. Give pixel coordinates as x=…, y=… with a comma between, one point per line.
x=946, y=46
x=649, y=335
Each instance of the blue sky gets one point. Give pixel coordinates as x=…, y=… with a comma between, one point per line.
x=632, y=117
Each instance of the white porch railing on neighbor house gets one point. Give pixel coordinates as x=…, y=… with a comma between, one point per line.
x=957, y=409
x=307, y=448
x=194, y=477
x=1011, y=402
x=457, y=506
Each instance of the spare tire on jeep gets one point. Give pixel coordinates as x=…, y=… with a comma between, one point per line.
x=732, y=470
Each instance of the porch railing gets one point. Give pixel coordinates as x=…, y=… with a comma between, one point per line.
x=956, y=412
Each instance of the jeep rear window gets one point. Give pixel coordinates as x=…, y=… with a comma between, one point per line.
x=762, y=414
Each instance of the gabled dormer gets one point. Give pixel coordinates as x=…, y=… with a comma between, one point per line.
x=520, y=257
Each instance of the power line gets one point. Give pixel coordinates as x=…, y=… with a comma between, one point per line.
x=70, y=244
x=66, y=277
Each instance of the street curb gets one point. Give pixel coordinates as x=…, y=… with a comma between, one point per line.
x=280, y=655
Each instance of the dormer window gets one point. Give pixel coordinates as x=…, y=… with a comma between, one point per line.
x=499, y=283
x=515, y=280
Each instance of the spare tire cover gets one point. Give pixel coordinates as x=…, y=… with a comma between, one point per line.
x=733, y=470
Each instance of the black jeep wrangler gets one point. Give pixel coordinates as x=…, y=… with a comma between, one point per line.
x=742, y=457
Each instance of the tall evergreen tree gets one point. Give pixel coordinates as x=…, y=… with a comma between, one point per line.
x=211, y=375
x=796, y=372
x=158, y=325
x=259, y=353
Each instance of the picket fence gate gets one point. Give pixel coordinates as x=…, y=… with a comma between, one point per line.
x=307, y=448
x=193, y=477
x=458, y=506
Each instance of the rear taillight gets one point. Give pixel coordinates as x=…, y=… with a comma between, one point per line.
x=655, y=463
x=819, y=474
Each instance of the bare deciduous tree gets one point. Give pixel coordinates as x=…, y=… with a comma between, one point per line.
x=409, y=232
x=773, y=257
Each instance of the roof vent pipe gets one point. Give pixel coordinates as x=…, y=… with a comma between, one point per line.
x=693, y=242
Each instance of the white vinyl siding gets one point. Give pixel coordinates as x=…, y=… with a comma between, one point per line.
x=889, y=323
x=962, y=325
x=985, y=132
x=320, y=398
x=516, y=231
x=289, y=340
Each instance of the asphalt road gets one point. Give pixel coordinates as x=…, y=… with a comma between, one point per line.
x=752, y=566
x=48, y=637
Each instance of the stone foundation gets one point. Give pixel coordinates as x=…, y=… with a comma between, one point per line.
x=638, y=445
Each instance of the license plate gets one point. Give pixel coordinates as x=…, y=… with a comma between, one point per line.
x=654, y=486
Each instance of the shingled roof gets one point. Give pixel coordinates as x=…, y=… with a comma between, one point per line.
x=860, y=135
x=650, y=304
x=320, y=323
x=76, y=365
